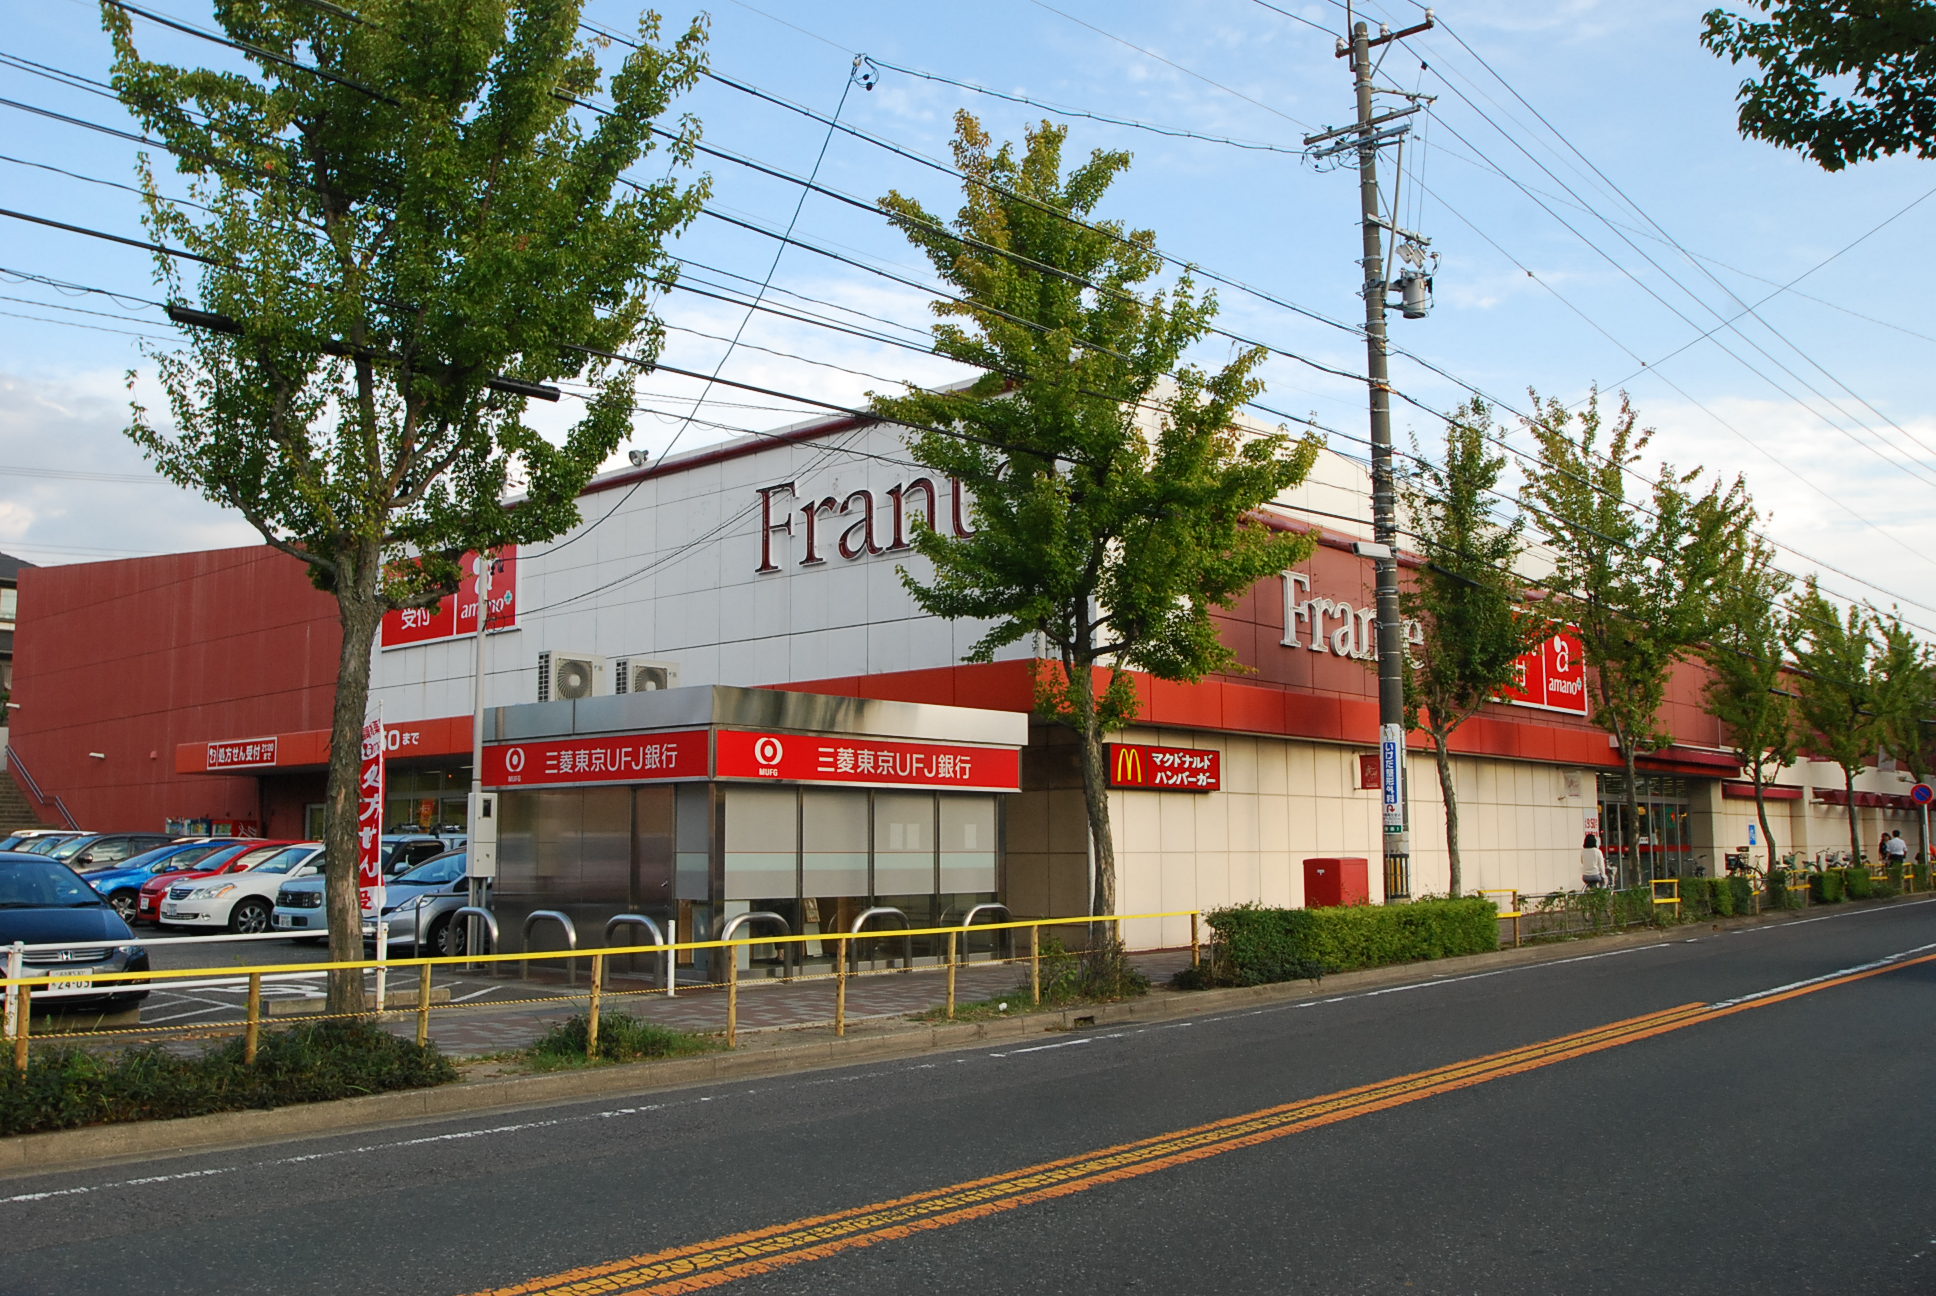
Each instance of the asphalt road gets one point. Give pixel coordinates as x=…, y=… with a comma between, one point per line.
x=1721, y=1112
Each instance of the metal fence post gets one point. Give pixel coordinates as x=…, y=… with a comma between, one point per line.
x=423, y=1006
x=672, y=958
x=21, y=1025
x=15, y=953
x=591, y=1017
x=1196, y=946
x=252, y=1035
x=1035, y=964
x=840, y=984
x=732, y=994
x=951, y=976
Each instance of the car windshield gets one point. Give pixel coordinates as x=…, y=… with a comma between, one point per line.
x=46, y=845
x=38, y=884
x=435, y=872
x=71, y=847
x=284, y=860
x=254, y=858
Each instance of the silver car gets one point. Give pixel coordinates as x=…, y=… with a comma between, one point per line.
x=418, y=906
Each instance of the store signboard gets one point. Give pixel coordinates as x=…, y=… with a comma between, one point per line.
x=241, y=753
x=369, y=818
x=456, y=617
x=1176, y=769
x=1552, y=675
x=608, y=758
x=813, y=758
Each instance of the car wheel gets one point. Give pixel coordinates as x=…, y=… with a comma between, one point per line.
x=448, y=939
x=249, y=917
x=125, y=903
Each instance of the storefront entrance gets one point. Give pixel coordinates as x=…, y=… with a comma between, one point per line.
x=1661, y=840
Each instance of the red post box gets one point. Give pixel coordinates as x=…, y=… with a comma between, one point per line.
x=1336, y=881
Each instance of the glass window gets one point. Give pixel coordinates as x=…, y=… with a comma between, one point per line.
x=834, y=843
x=967, y=844
x=903, y=844
x=762, y=843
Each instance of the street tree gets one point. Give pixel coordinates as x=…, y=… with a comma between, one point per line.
x=1747, y=688
x=1840, y=80
x=1835, y=653
x=1638, y=577
x=1466, y=597
x=406, y=219
x=1114, y=499
x=1905, y=702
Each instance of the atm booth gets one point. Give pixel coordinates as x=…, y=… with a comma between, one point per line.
x=697, y=805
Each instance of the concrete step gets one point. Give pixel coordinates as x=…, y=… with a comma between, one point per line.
x=16, y=807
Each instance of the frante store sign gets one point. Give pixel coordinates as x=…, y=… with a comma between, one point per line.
x=807, y=758
x=1552, y=676
x=858, y=524
x=622, y=758
x=1176, y=769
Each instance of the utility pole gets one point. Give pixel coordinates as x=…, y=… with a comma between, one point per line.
x=1369, y=131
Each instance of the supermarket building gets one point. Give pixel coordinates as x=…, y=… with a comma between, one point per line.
x=714, y=695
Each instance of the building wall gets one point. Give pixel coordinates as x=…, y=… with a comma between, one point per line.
x=129, y=658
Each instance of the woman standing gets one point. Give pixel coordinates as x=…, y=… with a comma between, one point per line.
x=1593, y=864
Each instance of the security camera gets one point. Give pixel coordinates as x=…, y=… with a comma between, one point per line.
x=638, y=457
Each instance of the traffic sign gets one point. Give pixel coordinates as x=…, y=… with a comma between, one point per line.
x=1922, y=794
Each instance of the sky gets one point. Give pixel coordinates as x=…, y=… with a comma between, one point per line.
x=1599, y=223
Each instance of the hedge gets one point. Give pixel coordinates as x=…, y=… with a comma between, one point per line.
x=1253, y=945
x=1826, y=887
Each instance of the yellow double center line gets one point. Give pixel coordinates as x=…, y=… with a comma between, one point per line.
x=742, y=1255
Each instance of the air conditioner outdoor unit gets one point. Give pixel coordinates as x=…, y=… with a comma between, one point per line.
x=575, y=676
x=636, y=675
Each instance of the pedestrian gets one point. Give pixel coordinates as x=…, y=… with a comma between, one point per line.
x=1894, y=849
x=1593, y=864
x=1882, y=851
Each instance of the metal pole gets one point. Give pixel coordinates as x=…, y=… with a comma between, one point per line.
x=840, y=984
x=672, y=958
x=1384, y=524
x=1196, y=945
x=951, y=976
x=423, y=1006
x=1035, y=965
x=22, y=1025
x=15, y=954
x=598, y=993
x=253, y=1033
x=382, y=958
x=732, y=995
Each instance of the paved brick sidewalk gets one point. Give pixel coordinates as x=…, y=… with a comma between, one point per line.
x=470, y=1031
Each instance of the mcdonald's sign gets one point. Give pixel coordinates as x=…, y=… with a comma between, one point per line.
x=1177, y=769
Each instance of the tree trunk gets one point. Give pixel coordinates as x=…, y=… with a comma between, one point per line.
x=1631, y=759
x=361, y=617
x=1442, y=753
x=1761, y=813
x=1103, y=937
x=1855, y=819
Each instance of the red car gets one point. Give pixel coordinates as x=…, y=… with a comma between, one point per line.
x=237, y=858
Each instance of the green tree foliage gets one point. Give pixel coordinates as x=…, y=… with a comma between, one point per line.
x=1905, y=695
x=1113, y=507
x=1465, y=597
x=1747, y=689
x=401, y=206
x=1835, y=653
x=1638, y=577
x=1879, y=54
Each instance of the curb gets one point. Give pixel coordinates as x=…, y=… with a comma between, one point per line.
x=873, y=1041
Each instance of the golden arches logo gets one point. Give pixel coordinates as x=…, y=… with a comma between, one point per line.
x=1129, y=764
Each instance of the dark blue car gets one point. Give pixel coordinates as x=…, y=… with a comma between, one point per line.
x=43, y=903
x=121, y=883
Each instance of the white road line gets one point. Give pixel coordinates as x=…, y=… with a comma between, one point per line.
x=1887, y=960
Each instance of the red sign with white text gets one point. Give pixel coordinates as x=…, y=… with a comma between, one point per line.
x=456, y=616
x=804, y=758
x=369, y=819
x=241, y=753
x=1552, y=675
x=1177, y=769
x=619, y=758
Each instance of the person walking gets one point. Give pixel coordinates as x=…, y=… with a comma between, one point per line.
x=1593, y=863
x=1894, y=849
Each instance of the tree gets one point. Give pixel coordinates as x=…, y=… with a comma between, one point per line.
x=1905, y=701
x=1113, y=506
x=401, y=217
x=1882, y=51
x=1746, y=689
x=1834, y=654
x=1465, y=597
x=1638, y=578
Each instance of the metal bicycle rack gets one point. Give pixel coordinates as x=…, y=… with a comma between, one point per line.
x=571, y=941
x=883, y=911
x=658, y=938
x=484, y=916
x=1007, y=934
x=789, y=959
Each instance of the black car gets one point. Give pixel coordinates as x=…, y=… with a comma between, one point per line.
x=104, y=850
x=43, y=903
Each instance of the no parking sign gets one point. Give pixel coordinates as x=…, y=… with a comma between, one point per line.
x=1922, y=794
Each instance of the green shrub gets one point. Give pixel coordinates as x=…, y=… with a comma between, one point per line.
x=1825, y=887
x=64, y=1087
x=1697, y=898
x=1741, y=893
x=1857, y=882
x=1896, y=870
x=1101, y=976
x=1919, y=871
x=621, y=1038
x=1254, y=945
x=1787, y=889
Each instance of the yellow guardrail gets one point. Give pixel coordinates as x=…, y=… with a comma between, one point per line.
x=1511, y=909
x=20, y=1007
x=1673, y=896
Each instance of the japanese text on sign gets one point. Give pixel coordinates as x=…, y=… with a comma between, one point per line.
x=241, y=753
x=369, y=818
x=809, y=759
x=1182, y=769
x=618, y=758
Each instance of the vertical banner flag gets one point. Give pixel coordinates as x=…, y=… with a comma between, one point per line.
x=1391, y=761
x=369, y=818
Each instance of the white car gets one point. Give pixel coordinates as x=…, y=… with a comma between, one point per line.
x=240, y=902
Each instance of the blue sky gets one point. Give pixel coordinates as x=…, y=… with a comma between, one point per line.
x=1579, y=175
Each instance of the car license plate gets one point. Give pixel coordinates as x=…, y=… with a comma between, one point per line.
x=299, y=922
x=171, y=911
x=72, y=981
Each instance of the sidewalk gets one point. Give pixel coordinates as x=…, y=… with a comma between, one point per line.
x=469, y=1031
